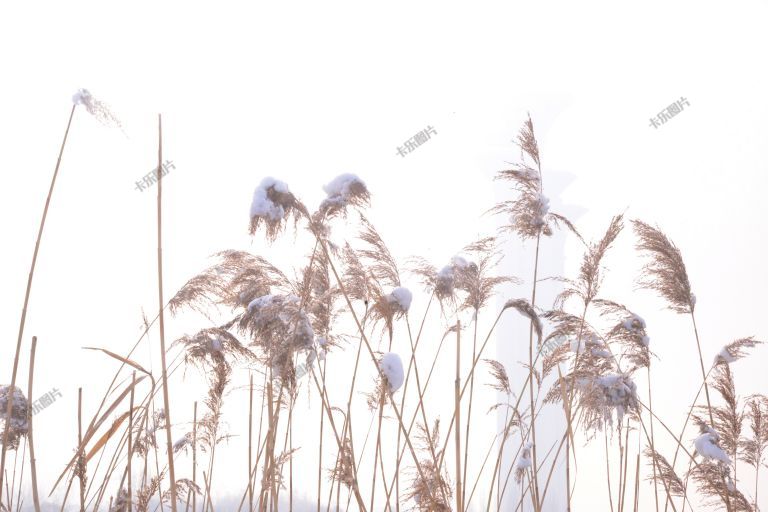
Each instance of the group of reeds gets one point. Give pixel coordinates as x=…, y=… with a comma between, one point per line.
x=281, y=330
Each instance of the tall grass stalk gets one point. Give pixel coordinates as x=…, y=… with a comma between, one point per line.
x=27, y=293
x=166, y=399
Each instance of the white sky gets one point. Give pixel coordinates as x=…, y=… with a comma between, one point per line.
x=305, y=91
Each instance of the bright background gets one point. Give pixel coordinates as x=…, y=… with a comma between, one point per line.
x=306, y=91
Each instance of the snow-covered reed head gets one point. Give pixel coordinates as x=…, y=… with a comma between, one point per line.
x=400, y=299
x=18, y=425
x=708, y=446
x=392, y=368
x=213, y=346
x=234, y=280
x=665, y=270
x=96, y=108
x=628, y=332
x=524, y=461
x=476, y=280
x=280, y=327
x=389, y=307
x=344, y=191
x=619, y=394
x=444, y=283
x=735, y=350
x=528, y=213
x=272, y=205
x=602, y=395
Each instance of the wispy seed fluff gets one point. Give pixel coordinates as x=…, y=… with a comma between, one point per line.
x=18, y=426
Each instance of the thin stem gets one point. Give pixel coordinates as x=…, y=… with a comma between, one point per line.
x=9, y=407
x=166, y=400
x=32, y=463
x=457, y=416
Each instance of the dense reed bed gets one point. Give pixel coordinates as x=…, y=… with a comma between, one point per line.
x=389, y=432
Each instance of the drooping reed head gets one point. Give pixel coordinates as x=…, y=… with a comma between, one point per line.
x=342, y=192
x=665, y=270
x=272, y=206
x=96, y=108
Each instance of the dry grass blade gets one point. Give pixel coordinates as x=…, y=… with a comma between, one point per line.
x=107, y=435
x=92, y=430
x=122, y=359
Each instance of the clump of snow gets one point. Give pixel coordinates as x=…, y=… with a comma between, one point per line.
x=445, y=281
x=634, y=323
x=401, y=298
x=707, y=447
x=345, y=190
x=181, y=443
x=262, y=205
x=461, y=263
x=619, y=392
x=542, y=208
x=342, y=187
x=636, y=326
x=693, y=299
x=725, y=356
x=392, y=368
x=525, y=461
x=82, y=97
x=216, y=344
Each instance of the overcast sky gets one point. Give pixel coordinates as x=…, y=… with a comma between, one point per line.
x=306, y=91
